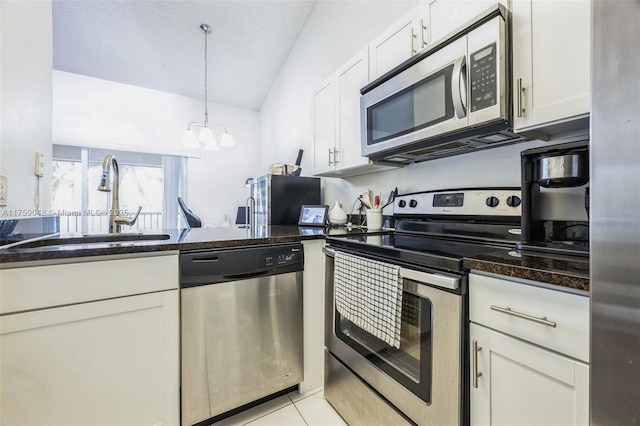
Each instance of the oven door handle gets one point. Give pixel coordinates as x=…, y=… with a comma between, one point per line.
x=329, y=252
x=452, y=283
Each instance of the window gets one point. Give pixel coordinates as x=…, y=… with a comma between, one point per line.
x=152, y=181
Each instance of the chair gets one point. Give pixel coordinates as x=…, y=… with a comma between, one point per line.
x=192, y=220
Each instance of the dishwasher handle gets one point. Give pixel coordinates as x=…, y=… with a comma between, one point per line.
x=237, y=277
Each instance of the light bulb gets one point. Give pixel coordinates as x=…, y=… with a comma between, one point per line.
x=206, y=136
x=227, y=140
x=190, y=140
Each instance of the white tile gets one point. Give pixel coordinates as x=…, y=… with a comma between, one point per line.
x=287, y=416
x=317, y=411
x=297, y=396
x=256, y=412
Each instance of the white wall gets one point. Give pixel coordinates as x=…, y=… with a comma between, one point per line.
x=26, y=48
x=103, y=114
x=334, y=33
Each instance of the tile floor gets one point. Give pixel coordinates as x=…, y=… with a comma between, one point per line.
x=292, y=409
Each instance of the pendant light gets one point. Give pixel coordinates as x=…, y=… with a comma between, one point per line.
x=205, y=137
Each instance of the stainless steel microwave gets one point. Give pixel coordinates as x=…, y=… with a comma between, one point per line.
x=452, y=99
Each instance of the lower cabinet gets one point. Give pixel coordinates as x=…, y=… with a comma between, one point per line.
x=519, y=383
x=108, y=362
x=91, y=342
x=529, y=353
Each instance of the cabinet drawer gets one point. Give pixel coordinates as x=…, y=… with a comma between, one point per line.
x=549, y=318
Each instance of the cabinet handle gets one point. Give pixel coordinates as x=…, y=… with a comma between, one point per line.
x=330, y=152
x=509, y=311
x=476, y=373
x=335, y=156
x=520, y=91
x=413, y=36
x=423, y=28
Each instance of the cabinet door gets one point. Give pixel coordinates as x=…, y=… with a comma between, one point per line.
x=399, y=42
x=351, y=78
x=448, y=15
x=108, y=362
x=551, y=62
x=324, y=126
x=523, y=384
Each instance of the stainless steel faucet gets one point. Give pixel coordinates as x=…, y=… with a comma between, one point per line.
x=115, y=220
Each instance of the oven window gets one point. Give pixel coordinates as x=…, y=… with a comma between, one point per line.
x=421, y=105
x=410, y=365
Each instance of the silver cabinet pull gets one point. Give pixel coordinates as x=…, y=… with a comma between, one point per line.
x=520, y=91
x=476, y=373
x=413, y=36
x=335, y=156
x=330, y=152
x=423, y=28
x=509, y=311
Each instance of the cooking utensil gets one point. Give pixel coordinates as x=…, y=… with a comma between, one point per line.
x=297, y=171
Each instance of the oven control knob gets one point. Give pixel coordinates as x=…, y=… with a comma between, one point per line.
x=413, y=203
x=513, y=201
x=492, y=201
x=402, y=203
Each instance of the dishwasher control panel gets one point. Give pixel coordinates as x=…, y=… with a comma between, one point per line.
x=277, y=256
x=210, y=266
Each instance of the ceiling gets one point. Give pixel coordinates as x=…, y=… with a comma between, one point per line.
x=157, y=44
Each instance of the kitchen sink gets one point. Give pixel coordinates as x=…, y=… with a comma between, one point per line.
x=93, y=239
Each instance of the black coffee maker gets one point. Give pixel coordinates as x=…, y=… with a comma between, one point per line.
x=555, y=199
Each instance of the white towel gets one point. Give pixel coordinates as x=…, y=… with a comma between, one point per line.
x=369, y=294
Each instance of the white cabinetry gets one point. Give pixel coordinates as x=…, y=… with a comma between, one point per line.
x=448, y=15
x=529, y=354
x=405, y=38
x=91, y=343
x=336, y=129
x=551, y=66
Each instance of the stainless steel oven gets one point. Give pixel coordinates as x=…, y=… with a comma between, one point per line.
x=423, y=379
x=419, y=372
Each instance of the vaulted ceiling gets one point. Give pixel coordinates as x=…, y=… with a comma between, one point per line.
x=157, y=44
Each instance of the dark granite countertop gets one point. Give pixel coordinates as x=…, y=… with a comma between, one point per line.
x=570, y=272
x=563, y=271
x=184, y=239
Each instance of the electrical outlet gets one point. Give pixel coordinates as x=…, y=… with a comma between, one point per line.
x=3, y=190
x=39, y=164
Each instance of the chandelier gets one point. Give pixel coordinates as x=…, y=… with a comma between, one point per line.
x=201, y=135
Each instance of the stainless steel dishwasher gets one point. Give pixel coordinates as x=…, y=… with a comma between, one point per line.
x=241, y=327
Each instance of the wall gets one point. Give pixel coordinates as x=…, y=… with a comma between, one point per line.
x=25, y=91
x=335, y=32
x=99, y=113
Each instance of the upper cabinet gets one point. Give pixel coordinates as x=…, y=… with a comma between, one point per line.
x=551, y=66
x=336, y=126
x=447, y=15
x=400, y=42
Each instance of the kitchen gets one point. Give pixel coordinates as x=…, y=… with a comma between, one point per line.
x=284, y=119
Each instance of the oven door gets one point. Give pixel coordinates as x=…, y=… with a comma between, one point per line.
x=423, y=377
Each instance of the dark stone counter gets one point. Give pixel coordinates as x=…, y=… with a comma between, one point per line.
x=564, y=271
x=184, y=239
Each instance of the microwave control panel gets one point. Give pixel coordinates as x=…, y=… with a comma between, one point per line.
x=484, y=82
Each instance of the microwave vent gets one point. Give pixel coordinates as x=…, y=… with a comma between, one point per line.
x=437, y=148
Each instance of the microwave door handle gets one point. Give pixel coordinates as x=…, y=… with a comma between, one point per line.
x=459, y=86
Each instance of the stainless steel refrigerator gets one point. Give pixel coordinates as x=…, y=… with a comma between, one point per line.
x=615, y=213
